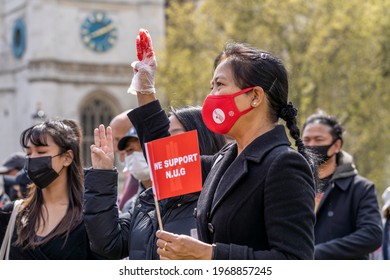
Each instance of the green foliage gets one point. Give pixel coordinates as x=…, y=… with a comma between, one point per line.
x=337, y=54
x=185, y=68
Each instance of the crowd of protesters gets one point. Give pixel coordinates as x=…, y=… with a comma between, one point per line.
x=261, y=198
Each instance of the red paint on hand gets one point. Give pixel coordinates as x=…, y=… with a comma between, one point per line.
x=144, y=45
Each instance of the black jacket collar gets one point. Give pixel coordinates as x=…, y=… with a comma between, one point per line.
x=231, y=168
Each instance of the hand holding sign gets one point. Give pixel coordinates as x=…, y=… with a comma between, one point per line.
x=181, y=247
x=145, y=68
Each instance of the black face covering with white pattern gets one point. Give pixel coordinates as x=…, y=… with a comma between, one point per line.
x=321, y=152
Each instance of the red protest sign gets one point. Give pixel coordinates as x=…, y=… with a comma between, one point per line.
x=174, y=163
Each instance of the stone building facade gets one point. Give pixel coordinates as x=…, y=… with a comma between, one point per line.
x=69, y=59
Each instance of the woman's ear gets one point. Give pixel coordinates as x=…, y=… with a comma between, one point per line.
x=69, y=155
x=258, y=96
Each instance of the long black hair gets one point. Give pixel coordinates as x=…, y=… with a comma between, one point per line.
x=67, y=135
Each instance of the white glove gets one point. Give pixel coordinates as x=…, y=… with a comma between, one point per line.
x=145, y=68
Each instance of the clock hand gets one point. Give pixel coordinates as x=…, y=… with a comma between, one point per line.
x=102, y=31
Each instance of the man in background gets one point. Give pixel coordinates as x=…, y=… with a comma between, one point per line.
x=120, y=125
x=348, y=222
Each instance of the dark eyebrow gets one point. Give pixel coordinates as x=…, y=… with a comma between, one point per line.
x=218, y=79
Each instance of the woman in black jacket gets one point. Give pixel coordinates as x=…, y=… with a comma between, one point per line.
x=50, y=224
x=133, y=234
x=258, y=199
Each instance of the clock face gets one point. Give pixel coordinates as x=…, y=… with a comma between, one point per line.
x=98, y=32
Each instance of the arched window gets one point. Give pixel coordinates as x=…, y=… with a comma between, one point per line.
x=93, y=113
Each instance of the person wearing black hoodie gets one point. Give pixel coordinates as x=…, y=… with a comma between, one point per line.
x=348, y=221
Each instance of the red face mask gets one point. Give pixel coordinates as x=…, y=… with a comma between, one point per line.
x=220, y=112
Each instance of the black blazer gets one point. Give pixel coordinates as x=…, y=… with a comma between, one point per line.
x=259, y=205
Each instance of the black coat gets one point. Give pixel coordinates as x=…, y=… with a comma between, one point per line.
x=259, y=205
x=132, y=234
x=348, y=223
x=76, y=247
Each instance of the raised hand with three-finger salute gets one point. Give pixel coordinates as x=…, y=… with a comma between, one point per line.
x=102, y=151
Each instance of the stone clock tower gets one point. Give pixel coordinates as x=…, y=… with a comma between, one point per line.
x=69, y=59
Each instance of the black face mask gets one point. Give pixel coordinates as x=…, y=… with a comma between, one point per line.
x=321, y=152
x=40, y=171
